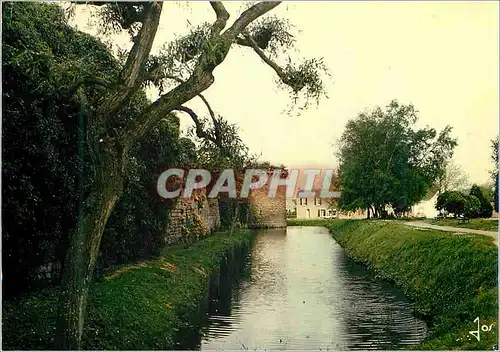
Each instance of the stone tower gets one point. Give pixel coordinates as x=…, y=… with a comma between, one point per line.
x=266, y=212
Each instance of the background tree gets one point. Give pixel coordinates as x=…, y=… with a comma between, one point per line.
x=485, y=209
x=488, y=190
x=472, y=207
x=451, y=201
x=494, y=173
x=384, y=160
x=453, y=178
x=230, y=153
x=182, y=72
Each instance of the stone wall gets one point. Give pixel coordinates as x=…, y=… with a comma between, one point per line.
x=184, y=213
x=266, y=212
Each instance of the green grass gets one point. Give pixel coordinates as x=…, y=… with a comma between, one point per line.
x=452, y=279
x=477, y=224
x=141, y=306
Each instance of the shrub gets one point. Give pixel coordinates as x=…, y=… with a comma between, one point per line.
x=452, y=202
x=485, y=208
x=472, y=206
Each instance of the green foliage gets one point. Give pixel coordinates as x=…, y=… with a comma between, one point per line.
x=231, y=152
x=136, y=228
x=306, y=76
x=472, y=206
x=485, y=210
x=451, y=201
x=384, y=160
x=488, y=190
x=303, y=80
x=138, y=307
x=116, y=16
x=43, y=63
x=227, y=209
x=176, y=58
x=452, y=279
x=272, y=33
x=53, y=77
x=495, y=194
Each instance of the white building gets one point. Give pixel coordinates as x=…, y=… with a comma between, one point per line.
x=318, y=208
x=310, y=208
x=425, y=208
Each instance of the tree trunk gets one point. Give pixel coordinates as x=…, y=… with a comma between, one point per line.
x=84, y=249
x=235, y=218
x=368, y=213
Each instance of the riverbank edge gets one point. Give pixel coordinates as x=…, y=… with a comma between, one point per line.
x=452, y=279
x=144, y=306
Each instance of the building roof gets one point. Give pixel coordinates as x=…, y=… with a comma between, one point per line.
x=316, y=192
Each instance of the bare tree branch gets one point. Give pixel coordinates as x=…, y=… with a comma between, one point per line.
x=202, y=97
x=177, y=96
x=180, y=80
x=244, y=42
x=306, y=75
x=86, y=81
x=248, y=16
x=130, y=77
x=222, y=17
x=210, y=111
x=264, y=58
x=199, y=126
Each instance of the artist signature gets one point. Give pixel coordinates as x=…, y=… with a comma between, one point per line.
x=484, y=328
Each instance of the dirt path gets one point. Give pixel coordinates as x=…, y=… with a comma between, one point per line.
x=421, y=224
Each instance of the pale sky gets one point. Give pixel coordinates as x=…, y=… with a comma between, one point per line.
x=443, y=57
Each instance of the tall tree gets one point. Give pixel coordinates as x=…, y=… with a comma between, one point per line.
x=453, y=178
x=182, y=72
x=494, y=173
x=485, y=209
x=384, y=160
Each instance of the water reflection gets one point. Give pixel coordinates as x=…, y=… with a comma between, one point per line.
x=301, y=291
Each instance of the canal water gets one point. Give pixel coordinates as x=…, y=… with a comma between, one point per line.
x=300, y=291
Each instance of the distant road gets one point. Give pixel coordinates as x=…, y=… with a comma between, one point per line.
x=425, y=225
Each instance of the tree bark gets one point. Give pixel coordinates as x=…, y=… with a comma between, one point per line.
x=130, y=77
x=84, y=249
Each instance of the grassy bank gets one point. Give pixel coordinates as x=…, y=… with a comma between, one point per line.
x=476, y=224
x=141, y=306
x=451, y=278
